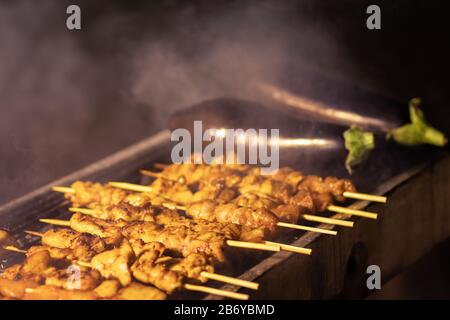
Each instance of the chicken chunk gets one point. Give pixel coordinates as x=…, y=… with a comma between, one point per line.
x=136, y=291
x=115, y=263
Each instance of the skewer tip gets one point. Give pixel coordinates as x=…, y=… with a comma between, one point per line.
x=130, y=186
x=34, y=233
x=365, y=196
x=231, y=280
x=63, y=189
x=353, y=212
x=218, y=292
x=14, y=249
x=56, y=222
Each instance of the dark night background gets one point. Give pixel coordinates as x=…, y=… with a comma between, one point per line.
x=69, y=98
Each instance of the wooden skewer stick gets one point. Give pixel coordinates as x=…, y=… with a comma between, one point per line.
x=353, y=212
x=181, y=179
x=346, y=194
x=231, y=243
x=364, y=196
x=290, y=248
x=306, y=228
x=208, y=275
x=360, y=213
x=63, y=189
x=253, y=245
x=217, y=292
x=86, y=211
x=230, y=280
x=34, y=233
x=149, y=173
x=287, y=247
x=56, y=222
x=130, y=186
x=213, y=276
x=14, y=249
x=337, y=222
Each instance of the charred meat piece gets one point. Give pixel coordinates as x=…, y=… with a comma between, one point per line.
x=260, y=184
x=338, y=186
x=147, y=270
x=191, y=266
x=115, y=263
x=88, y=194
x=333, y=186
x=83, y=245
x=47, y=292
x=110, y=231
x=55, y=253
x=15, y=289
x=289, y=176
x=304, y=200
x=127, y=212
x=74, y=278
x=179, y=239
x=179, y=193
x=36, y=266
x=252, y=200
x=108, y=289
x=12, y=272
x=232, y=213
x=59, y=238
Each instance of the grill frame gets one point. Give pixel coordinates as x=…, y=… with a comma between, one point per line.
x=24, y=212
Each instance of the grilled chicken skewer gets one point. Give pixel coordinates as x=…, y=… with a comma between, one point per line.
x=233, y=230
x=256, y=223
x=286, y=184
x=121, y=264
x=58, y=239
x=254, y=218
x=171, y=218
x=289, y=187
x=189, y=173
x=245, y=234
x=170, y=274
x=135, y=291
x=84, y=194
x=82, y=246
x=41, y=277
x=177, y=238
x=40, y=268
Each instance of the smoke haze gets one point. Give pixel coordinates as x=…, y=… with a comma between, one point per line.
x=70, y=98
